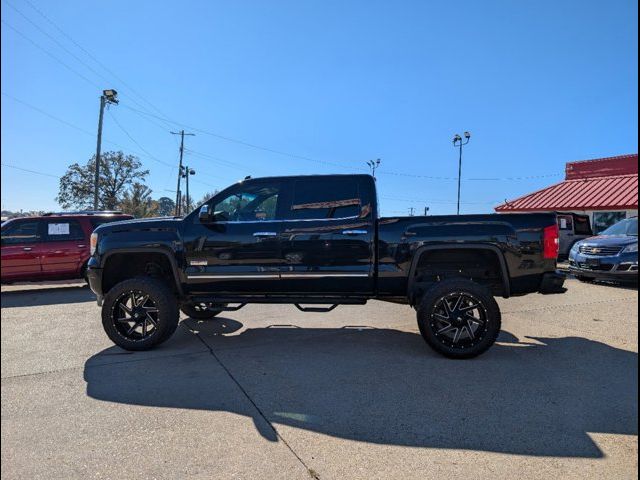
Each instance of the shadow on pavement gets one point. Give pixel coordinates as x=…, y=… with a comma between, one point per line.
x=538, y=397
x=46, y=296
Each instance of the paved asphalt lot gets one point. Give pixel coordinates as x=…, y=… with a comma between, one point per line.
x=269, y=392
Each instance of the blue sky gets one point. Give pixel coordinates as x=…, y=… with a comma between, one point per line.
x=330, y=84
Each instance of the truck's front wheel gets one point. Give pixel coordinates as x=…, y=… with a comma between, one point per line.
x=139, y=313
x=459, y=318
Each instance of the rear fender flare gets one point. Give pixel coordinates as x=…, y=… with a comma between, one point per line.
x=506, y=285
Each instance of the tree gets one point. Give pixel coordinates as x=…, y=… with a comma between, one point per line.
x=207, y=196
x=117, y=173
x=166, y=206
x=138, y=202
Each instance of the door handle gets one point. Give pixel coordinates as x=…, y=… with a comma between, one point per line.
x=265, y=234
x=354, y=232
x=27, y=249
x=82, y=245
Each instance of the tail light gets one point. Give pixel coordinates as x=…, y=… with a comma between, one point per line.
x=551, y=240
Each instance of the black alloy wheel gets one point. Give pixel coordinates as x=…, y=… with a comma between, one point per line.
x=459, y=318
x=136, y=315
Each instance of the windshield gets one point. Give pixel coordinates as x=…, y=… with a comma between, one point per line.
x=625, y=227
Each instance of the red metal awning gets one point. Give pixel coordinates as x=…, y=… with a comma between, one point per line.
x=601, y=193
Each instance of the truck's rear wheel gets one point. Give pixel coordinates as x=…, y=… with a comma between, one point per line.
x=201, y=311
x=139, y=313
x=459, y=318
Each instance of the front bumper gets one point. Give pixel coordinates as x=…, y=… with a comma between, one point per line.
x=552, y=282
x=94, y=276
x=622, y=267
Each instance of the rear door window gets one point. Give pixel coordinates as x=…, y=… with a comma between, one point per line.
x=324, y=199
x=21, y=232
x=63, y=230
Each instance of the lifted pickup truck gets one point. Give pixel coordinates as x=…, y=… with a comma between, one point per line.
x=317, y=240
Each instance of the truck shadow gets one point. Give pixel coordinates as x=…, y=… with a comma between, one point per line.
x=47, y=296
x=538, y=397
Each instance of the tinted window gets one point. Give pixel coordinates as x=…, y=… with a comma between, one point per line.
x=625, y=227
x=63, y=230
x=20, y=232
x=249, y=203
x=582, y=226
x=324, y=198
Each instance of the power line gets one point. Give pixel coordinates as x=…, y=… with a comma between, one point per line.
x=47, y=52
x=30, y=171
x=166, y=120
x=91, y=134
x=113, y=117
x=90, y=55
x=419, y=200
x=53, y=39
x=244, y=143
x=224, y=137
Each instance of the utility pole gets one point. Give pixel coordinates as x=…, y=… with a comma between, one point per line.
x=458, y=142
x=411, y=211
x=178, y=193
x=426, y=211
x=107, y=97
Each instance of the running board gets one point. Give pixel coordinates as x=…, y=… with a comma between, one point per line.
x=243, y=300
x=315, y=309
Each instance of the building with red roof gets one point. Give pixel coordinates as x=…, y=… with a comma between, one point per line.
x=605, y=189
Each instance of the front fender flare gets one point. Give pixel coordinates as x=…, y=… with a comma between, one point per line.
x=175, y=270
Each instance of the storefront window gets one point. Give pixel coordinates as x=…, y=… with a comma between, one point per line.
x=603, y=220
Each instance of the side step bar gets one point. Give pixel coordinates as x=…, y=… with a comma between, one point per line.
x=315, y=309
x=274, y=299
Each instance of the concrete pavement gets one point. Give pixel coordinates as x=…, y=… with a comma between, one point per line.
x=270, y=392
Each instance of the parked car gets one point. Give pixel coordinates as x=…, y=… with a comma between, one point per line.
x=612, y=255
x=573, y=228
x=318, y=240
x=54, y=246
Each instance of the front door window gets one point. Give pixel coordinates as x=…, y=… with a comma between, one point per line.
x=252, y=203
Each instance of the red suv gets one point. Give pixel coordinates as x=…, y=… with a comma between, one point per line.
x=54, y=246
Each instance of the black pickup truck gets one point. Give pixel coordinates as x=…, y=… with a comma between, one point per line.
x=318, y=240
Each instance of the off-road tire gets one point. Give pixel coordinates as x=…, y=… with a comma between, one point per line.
x=160, y=296
x=430, y=315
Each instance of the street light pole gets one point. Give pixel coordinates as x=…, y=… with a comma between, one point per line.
x=187, y=173
x=458, y=142
x=373, y=164
x=108, y=96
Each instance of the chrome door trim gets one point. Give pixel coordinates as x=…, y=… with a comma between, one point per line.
x=241, y=276
x=321, y=275
x=238, y=276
